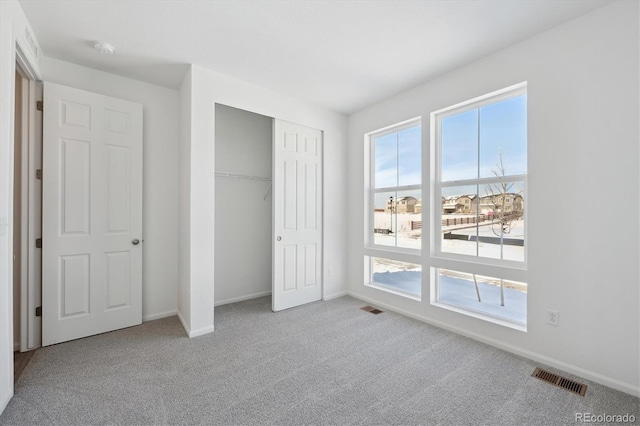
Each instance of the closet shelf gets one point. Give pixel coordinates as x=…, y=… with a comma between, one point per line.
x=242, y=176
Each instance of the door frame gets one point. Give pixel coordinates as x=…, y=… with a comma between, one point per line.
x=31, y=212
x=25, y=55
x=275, y=117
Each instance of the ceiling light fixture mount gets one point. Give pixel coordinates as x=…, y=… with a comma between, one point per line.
x=103, y=47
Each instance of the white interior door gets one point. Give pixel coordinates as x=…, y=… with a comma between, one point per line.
x=92, y=214
x=297, y=215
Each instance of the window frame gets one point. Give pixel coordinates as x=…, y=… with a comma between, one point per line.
x=372, y=190
x=437, y=184
x=437, y=259
x=369, y=282
x=372, y=250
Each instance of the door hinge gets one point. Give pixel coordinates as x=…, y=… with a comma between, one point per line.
x=38, y=242
x=39, y=174
x=39, y=106
x=39, y=311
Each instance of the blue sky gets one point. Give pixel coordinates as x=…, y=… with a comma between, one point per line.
x=398, y=159
x=502, y=130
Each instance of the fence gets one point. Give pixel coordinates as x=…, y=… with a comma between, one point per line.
x=417, y=224
x=465, y=220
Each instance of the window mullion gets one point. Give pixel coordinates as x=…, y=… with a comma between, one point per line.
x=394, y=207
x=398, y=188
x=478, y=176
x=483, y=181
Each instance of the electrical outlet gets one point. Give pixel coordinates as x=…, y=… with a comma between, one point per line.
x=330, y=272
x=553, y=317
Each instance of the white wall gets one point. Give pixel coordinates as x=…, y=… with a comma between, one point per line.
x=583, y=109
x=161, y=133
x=13, y=30
x=184, y=252
x=209, y=87
x=197, y=215
x=243, y=215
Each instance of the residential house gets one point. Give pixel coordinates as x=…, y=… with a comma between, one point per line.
x=402, y=205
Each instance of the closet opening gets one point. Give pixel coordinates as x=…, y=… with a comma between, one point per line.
x=243, y=205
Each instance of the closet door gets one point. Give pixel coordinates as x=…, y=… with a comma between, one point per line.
x=297, y=215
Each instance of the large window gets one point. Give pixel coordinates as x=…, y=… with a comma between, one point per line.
x=394, y=237
x=479, y=204
x=482, y=173
x=396, y=187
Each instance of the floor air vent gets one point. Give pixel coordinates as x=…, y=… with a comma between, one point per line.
x=563, y=382
x=371, y=310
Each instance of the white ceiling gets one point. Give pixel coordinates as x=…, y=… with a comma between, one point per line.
x=343, y=55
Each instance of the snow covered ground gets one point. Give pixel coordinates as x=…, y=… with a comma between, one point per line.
x=405, y=281
x=455, y=288
x=404, y=237
x=485, y=249
x=461, y=292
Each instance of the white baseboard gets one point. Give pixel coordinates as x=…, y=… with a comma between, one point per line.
x=534, y=356
x=153, y=317
x=241, y=298
x=334, y=296
x=194, y=333
x=184, y=323
x=6, y=399
x=202, y=331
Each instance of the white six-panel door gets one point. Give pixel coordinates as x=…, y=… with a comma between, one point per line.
x=92, y=214
x=297, y=215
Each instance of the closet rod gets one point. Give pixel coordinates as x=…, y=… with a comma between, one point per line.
x=241, y=176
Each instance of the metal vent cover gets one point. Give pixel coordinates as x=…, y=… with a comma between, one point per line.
x=371, y=310
x=563, y=382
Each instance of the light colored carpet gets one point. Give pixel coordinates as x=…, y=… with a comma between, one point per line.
x=327, y=363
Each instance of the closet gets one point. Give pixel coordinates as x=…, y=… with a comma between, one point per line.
x=243, y=207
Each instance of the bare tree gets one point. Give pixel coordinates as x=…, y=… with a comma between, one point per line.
x=498, y=194
x=503, y=212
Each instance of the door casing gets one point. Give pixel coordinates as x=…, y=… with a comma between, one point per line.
x=31, y=207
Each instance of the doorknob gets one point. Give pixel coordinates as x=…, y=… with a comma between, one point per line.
x=135, y=242
x=278, y=238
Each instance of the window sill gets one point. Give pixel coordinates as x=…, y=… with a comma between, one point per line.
x=395, y=291
x=482, y=316
x=402, y=255
x=475, y=260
